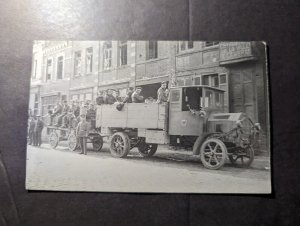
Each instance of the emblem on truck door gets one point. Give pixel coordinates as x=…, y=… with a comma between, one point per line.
x=183, y=122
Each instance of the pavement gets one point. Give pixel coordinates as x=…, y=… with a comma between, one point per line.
x=167, y=171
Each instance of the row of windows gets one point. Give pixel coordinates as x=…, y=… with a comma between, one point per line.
x=151, y=53
x=213, y=80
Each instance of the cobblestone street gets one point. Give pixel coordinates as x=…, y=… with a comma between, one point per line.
x=168, y=171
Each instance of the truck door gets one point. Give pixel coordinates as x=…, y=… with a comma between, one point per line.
x=181, y=120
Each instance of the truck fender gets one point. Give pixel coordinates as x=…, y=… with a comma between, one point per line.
x=198, y=143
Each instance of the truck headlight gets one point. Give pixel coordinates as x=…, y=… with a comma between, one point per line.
x=257, y=126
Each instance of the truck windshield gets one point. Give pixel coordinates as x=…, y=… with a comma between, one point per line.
x=212, y=99
x=191, y=97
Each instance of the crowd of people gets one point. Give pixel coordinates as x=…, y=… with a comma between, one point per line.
x=81, y=115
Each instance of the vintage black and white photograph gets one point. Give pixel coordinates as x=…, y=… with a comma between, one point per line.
x=149, y=116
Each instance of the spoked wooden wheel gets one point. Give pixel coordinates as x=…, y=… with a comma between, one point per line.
x=120, y=145
x=147, y=150
x=72, y=142
x=242, y=158
x=53, y=139
x=213, y=153
x=97, y=142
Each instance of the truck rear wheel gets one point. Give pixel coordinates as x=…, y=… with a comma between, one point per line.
x=213, y=153
x=97, y=142
x=147, y=150
x=120, y=145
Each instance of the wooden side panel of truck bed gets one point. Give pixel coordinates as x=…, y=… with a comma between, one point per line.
x=133, y=115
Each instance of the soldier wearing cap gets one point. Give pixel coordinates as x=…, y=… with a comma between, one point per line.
x=82, y=133
x=136, y=97
x=38, y=128
x=110, y=99
x=31, y=130
x=162, y=95
x=65, y=109
x=128, y=98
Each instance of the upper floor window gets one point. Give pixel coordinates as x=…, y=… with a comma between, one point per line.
x=208, y=44
x=77, y=63
x=60, y=66
x=123, y=52
x=89, y=60
x=49, y=70
x=185, y=45
x=107, y=55
x=211, y=80
x=152, y=50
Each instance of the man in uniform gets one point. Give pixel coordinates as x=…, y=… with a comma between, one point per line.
x=57, y=111
x=91, y=115
x=110, y=99
x=65, y=109
x=31, y=130
x=100, y=98
x=128, y=98
x=162, y=96
x=82, y=133
x=38, y=128
x=136, y=97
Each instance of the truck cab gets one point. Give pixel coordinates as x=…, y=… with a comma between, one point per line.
x=190, y=107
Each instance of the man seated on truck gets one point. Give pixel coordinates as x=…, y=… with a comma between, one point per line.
x=110, y=99
x=136, y=97
x=128, y=98
x=65, y=109
x=57, y=111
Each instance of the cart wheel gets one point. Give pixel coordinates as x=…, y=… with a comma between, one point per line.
x=53, y=139
x=120, y=145
x=72, y=141
x=97, y=141
x=213, y=153
x=147, y=150
x=242, y=158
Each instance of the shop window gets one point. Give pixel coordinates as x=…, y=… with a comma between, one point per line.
x=60, y=67
x=89, y=60
x=208, y=44
x=49, y=70
x=107, y=52
x=185, y=45
x=123, y=53
x=152, y=50
x=77, y=63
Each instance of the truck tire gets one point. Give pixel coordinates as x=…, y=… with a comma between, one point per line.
x=243, y=158
x=213, y=153
x=147, y=150
x=119, y=145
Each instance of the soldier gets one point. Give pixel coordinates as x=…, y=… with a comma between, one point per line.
x=38, y=128
x=110, y=99
x=100, y=98
x=31, y=126
x=91, y=115
x=162, y=96
x=82, y=133
x=136, y=97
x=128, y=98
x=65, y=109
x=57, y=111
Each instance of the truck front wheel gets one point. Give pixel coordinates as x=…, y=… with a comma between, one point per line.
x=120, y=145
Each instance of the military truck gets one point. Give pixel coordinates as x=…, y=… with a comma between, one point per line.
x=194, y=115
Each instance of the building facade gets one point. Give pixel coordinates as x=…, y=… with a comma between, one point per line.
x=78, y=70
